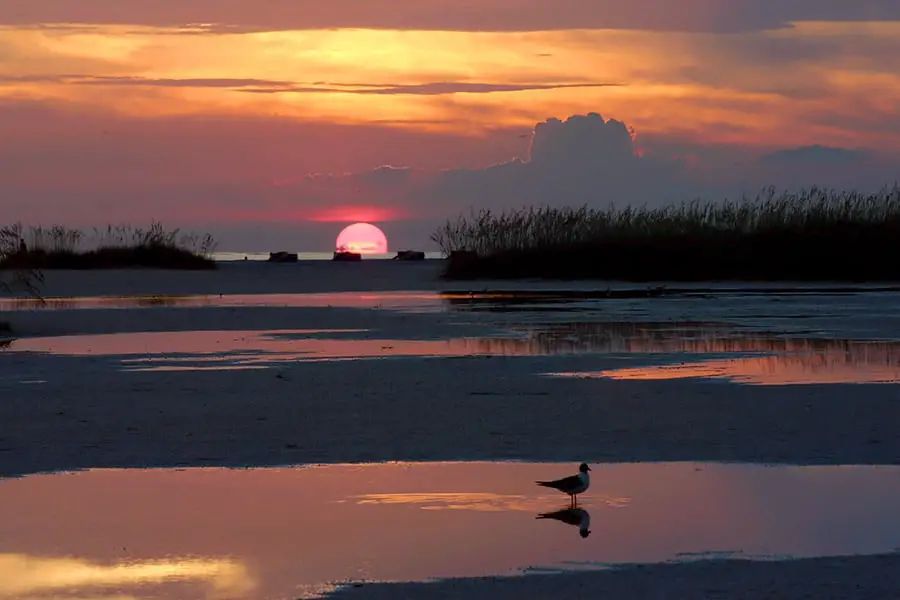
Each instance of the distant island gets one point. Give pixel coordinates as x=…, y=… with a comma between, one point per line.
x=813, y=235
x=58, y=247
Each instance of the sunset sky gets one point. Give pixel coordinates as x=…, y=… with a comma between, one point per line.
x=277, y=122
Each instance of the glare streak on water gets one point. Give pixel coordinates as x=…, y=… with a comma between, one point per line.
x=270, y=533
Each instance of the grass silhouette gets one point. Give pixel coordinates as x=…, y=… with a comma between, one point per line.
x=58, y=247
x=813, y=235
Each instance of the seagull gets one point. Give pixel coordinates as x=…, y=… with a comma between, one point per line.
x=571, y=516
x=571, y=485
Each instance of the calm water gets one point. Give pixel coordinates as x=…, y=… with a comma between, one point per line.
x=403, y=301
x=263, y=256
x=687, y=350
x=269, y=534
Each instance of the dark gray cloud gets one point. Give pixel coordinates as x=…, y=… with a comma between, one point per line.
x=814, y=155
x=113, y=80
x=427, y=89
x=485, y=15
x=58, y=166
x=826, y=166
x=267, y=86
x=589, y=160
x=584, y=159
x=176, y=82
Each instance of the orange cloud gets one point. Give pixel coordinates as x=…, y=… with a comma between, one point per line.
x=211, y=16
x=136, y=121
x=813, y=81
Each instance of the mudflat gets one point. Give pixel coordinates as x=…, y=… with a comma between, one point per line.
x=264, y=365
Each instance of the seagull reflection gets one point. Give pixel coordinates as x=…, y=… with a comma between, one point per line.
x=577, y=517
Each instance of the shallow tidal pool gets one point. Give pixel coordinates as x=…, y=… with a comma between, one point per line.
x=268, y=534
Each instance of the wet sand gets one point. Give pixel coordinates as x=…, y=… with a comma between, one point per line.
x=77, y=414
x=70, y=410
x=844, y=578
x=76, y=408
x=261, y=534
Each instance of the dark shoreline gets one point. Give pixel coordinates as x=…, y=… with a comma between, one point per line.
x=134, y=257
x=874, y=577
x=811, y=235
x=866, y=258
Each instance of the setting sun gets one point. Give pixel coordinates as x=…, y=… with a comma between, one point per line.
x=363, y=238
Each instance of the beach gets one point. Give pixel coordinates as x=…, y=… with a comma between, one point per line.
x=257, y=365
x=823, y=579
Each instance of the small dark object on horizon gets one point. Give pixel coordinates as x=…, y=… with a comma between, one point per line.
x=282, y=257
x=409, y=255
x=346, y=256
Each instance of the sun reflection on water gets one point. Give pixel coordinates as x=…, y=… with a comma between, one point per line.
x=23, y=574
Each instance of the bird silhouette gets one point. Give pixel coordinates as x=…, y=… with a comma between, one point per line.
x=571, y=485
x=577, y=517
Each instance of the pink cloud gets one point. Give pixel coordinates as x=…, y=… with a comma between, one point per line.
x=484, y=15
x=350, y=213
x=50, y=146
x=249, y=177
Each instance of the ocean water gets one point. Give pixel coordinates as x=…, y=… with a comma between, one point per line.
x=238, y=256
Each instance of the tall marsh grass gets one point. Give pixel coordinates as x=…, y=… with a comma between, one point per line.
x=18, y=280
x=816, y=234
x=114, y=246
x=58, y=238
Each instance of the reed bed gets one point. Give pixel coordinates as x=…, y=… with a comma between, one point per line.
x=816, y=234
x=20, y=280
x=60, y=247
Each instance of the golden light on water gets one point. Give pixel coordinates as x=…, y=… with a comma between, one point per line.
x=479, y=501
x=253, y=534
x=22, y=574
x=476, y=501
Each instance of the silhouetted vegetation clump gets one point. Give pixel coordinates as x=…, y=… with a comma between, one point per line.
x=16, y=280
x=815, y=235
x=57, y=247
